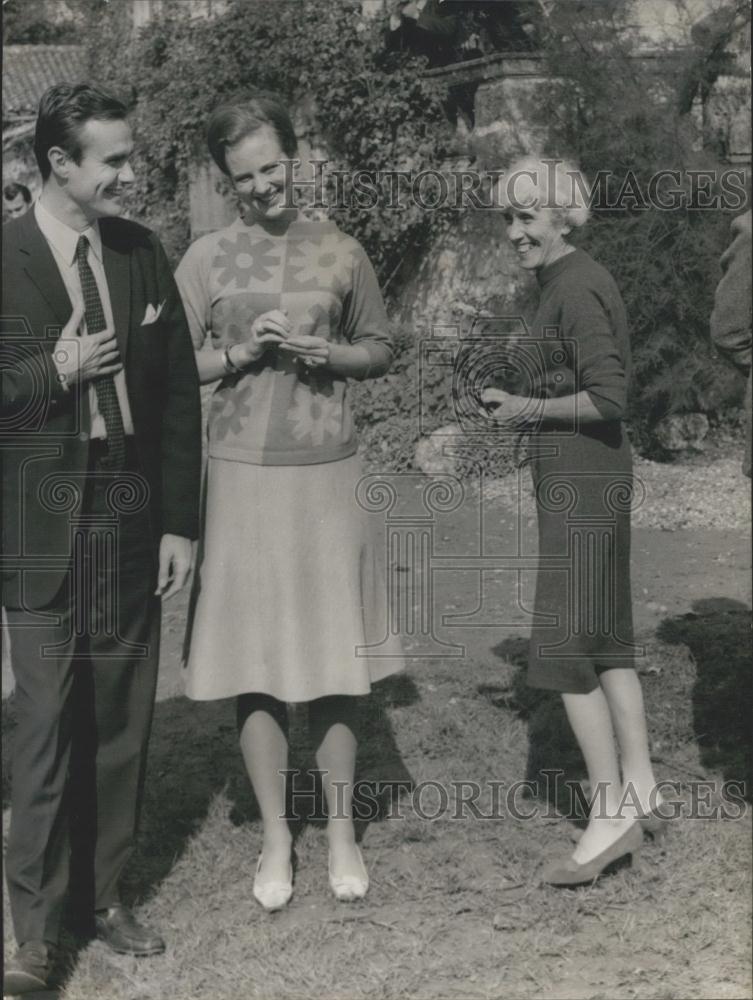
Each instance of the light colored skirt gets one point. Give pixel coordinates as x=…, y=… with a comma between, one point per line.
x=288, y=587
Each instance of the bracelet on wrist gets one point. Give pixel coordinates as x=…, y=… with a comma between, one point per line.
x=229, y=365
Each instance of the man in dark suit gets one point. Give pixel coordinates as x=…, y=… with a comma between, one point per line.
x=101, y=448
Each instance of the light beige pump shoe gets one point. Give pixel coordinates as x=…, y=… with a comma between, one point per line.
x=272, y=895
x=348, y=888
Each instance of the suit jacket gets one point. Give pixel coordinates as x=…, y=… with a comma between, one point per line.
x=44, y=430
x=731, y=319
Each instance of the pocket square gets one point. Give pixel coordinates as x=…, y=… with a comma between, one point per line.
x=152, y=315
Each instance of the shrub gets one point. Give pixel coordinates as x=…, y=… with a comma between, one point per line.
x=374, y=109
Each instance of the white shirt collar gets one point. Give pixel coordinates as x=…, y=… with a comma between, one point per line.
x=63, y=238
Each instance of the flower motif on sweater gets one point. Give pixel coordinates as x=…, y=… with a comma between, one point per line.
x=242, y=260
x=314, y=415
x=230, y=410
x=317, y=322
x=322, y=261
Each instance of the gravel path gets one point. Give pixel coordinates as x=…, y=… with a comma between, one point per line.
x=711, y=495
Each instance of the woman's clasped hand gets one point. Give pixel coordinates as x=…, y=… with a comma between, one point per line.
x=504, y=408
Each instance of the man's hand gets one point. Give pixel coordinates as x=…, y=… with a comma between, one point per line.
x=79, y=359
x=175, y=561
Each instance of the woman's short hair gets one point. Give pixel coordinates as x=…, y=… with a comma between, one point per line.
x=232, y=122
x=546, y=183
x=63, y=112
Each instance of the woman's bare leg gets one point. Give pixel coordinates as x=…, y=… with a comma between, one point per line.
x=333, y=724
x=263, y=729
x=622, y=689
x=591, y=722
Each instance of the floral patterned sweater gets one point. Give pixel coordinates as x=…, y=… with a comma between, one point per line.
x=278, y=412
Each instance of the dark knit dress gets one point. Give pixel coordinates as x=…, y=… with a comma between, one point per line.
x=583, y=480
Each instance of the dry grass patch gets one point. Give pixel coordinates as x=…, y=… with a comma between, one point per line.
x=455, y=909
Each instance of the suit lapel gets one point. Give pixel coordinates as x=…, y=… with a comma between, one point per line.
x=117, y=263
x=41, y=269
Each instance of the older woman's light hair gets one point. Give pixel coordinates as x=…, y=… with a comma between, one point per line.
x=531, y=182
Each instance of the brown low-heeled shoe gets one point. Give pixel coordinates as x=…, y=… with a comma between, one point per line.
x=568, y=872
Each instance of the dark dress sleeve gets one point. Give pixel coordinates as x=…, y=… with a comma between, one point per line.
x=592, y=318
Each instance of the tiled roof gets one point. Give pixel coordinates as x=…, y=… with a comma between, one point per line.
x=28, y=70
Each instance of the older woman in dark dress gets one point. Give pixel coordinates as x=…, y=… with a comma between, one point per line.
x=582, y=638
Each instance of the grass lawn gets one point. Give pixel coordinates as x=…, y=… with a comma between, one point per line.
x=455, y=908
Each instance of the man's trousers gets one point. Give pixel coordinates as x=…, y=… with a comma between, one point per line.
x=86, y=671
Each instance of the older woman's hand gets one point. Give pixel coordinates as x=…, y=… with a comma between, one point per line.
x=504, y=408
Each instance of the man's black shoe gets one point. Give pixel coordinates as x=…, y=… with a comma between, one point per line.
x=120, y=930
x=29, y=970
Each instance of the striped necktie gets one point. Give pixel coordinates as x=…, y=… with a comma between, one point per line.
x=104, y=385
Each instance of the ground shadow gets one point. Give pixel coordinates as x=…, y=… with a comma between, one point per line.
x=192, y=753
x=718, y=634
x=554, y=763
x=381, y=775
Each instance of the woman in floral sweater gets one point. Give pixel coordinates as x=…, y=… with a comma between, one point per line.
x=287, y=586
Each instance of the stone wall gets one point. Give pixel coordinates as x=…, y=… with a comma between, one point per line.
x=472, y=267
x=470, y=270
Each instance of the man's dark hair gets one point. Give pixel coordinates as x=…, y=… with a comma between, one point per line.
x=12, y=191
x=232, y=122
x=63, y=111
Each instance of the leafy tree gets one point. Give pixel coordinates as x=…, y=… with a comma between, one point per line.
x=374, y=109
x=47, y=22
